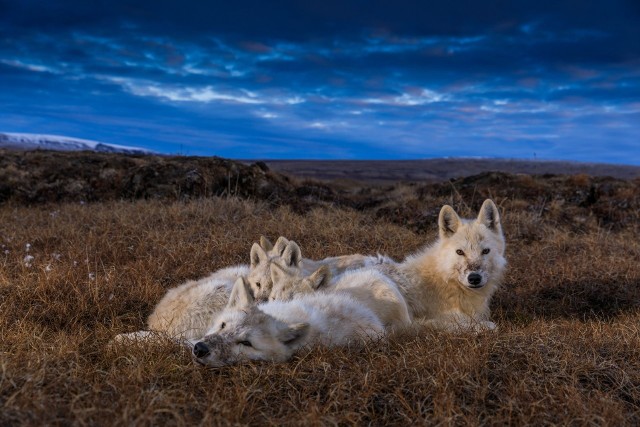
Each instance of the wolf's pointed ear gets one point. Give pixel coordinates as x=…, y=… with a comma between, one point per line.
x=241, y=295
x=320, y=278
x=277, y=272
x=280, y=246
x=490, y=216
x=258, y=255
x=265, y=244
x=448, y=221
x=292, y=255
x=293, y=335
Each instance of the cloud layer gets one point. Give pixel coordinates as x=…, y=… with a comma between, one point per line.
x=328, y=79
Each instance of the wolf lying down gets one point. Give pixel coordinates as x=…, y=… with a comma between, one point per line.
x=276, y=329
x=347, y=300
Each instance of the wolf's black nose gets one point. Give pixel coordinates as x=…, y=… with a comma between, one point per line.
x=474, y=279
x=200, y=349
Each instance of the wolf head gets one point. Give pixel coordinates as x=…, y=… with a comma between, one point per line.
x=471, y=251
x=288, y=282
x=242, y=332
x=284, y=251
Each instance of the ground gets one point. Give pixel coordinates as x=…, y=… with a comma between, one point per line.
x=74, y=272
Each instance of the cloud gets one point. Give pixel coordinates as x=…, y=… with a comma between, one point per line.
x=206, y=94
x=30, y=67
x=401, y=79
x=422, y=97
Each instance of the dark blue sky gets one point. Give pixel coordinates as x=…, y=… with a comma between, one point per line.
x=329, y=79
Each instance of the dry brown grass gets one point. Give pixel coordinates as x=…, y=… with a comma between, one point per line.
x=567, y=350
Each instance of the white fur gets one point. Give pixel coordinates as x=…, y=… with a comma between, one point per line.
x=378, y=292
x=344, y=263
x=368, y=285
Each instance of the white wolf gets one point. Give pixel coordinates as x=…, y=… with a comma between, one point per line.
x=275, y=330
x=449, y=284
x=187, y=311
x=261, y=258
x=367, y=285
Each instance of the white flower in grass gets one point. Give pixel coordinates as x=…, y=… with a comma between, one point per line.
x=28, y=260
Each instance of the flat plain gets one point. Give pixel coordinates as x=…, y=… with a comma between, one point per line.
x=437, y=170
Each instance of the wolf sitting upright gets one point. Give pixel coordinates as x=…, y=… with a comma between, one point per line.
x=275, y=330
x=448, y=285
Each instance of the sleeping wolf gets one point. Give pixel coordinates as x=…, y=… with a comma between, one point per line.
x=275, y=330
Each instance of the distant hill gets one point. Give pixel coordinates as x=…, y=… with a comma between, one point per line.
x=438, y=170
x=30, y=141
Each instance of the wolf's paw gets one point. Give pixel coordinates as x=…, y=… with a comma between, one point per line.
x=486, y=326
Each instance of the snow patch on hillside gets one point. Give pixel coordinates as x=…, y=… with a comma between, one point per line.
x=30, y=141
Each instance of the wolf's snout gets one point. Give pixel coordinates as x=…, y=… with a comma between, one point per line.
x=200, y=349
x=474, y=279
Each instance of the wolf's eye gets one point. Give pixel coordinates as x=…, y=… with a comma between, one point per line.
x=460, y=252
x=486, y=251
x=222, y=325
x=258, y=285
x=246, y=343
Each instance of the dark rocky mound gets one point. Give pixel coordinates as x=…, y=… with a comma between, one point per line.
x=50, y=176
x=34, y=177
